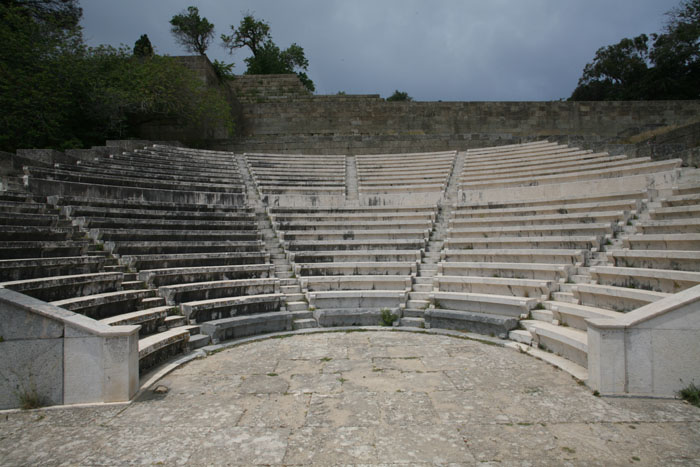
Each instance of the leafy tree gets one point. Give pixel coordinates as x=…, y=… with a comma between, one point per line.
x=143, y=47
x=250, y=33
x=399, y=96
x=663, y=66
x=191, y=31
x=223, y=70
x=267, y=57
x=57, y=93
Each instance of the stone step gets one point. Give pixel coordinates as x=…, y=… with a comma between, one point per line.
x=133, y=285
x=580, y=279
x=290, y=289
x=297, y=306
x=287, y=282
x=419, y=295
x=198, y=341
x=417, y=304
x=412, y=322
x=130, y=276
x=564, y=297
x=285, y=274
x=422, y=287
x=114, y=268
x=413, y=313
x=152, y=302
x=423, y=281
x=545, y=315
x=174, y=321
x=294, y=296
x=566, y=287
x=520, y=335
x=306, y=323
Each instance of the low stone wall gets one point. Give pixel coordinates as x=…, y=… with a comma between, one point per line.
x=652, y=350
x=54, y=356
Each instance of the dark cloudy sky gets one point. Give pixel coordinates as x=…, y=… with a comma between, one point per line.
x=466, y=50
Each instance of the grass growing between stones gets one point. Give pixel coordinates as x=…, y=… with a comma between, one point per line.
x=691, y=394
x=387, y=317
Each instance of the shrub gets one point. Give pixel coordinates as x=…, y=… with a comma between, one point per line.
x=388, y=317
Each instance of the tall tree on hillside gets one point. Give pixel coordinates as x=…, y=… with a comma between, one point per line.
x=662, y=66
x=191, y=31
x=267, y=57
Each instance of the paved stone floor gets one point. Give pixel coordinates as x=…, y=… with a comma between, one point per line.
x=361, y=398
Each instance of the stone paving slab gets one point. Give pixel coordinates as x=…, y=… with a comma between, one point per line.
x=360, y=397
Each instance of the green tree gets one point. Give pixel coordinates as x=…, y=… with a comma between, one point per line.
x=399, y=96
x=57, y=93
x=143, y=47
x=191, y=31
x=660, y=66
x=250, y=33
x=267, y=57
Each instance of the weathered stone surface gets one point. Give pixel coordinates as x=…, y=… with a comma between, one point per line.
x=374, y=398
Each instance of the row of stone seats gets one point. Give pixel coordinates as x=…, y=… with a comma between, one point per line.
x=148, y=175
x=354, y=261
x=282, y=177
x=624, y=280
x=165, y=263
x=403, y=178
x=502, y=260
x=545, y=163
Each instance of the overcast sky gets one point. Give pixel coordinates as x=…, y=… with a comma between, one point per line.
x=463, y=50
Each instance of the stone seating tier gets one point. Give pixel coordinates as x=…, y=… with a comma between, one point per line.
x=598, y=217
x=163, y=224
x=183, y=195
x=106, y=305
x=248, y=325
x=150, y=319
x=301, y=225
x=42, y=249
x=138, y=248
x=10, y=233
x=131, y=182
x=529, y=230
x=574, y=257
x=582, y=209
x=201, y=311
x=575, y=242
x=55, y=288
x=73, y=205
x=615, y=298
x=155, y=278
x=354, y=268
x=30, y=268
x=575, y=316
x=540, y=271
x=531, y=288
x=160, y=347
x=197, y=291
x=592, y=163
x=359, y=282
x=503, y=305
x=561, y=202
x=680, y=200
x=676, y=212
x=686, y=241
x=627, y=170
x=656, y=259
x=687, y=225
x=342, y=256
x=351, y=300
x=480, y=323
x=176, y=175
x=570, y=343
x=187, y=260
x=553, y=157
x=180, y=235
x=369, y=234
x=346, y=245
x=659, y=280
x=29, y=219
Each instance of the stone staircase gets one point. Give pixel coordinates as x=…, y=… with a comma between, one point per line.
x=419, y=296
x=352, y=196
x=294, y=299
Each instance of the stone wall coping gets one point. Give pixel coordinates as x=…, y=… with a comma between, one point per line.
x=650, y=311
x=66, y=317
